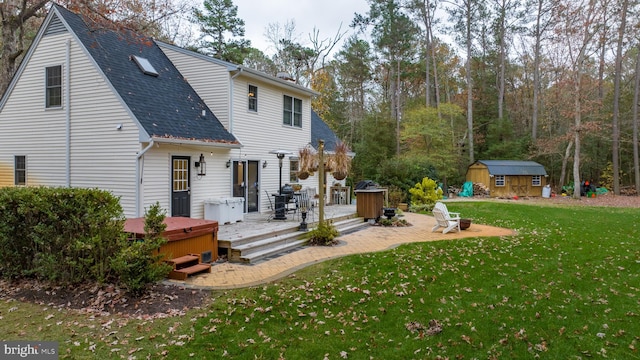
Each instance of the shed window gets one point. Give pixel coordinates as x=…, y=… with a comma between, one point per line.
x=536, y=180
x=20, y=170
x=53, y=86
x=499, y=180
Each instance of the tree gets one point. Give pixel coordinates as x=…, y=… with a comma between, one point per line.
x=541, y=25
x=20, y=18
x=354, y=64
x=465, y=14
x=615, y=129
x=216, y=21
x=15, y=16
x=579, y=24
x=394, y=35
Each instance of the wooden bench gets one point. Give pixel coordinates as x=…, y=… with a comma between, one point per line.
x=186, y=265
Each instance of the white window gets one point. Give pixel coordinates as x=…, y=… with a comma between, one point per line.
x=53, y=86
x=292, y=114
x=536, y=180
x=20, y=170
x=294, y=165
x=253, y=98
x=499, y=180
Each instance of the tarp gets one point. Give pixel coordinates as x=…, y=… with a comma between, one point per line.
x=467, y=189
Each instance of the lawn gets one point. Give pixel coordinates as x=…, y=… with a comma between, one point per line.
x=567, y=286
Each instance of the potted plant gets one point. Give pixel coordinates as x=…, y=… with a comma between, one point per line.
x=340, y=161
x=308, y=162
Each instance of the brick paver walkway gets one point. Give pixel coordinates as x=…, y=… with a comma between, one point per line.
x=370, y=239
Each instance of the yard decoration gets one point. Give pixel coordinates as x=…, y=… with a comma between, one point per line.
x=339, y=163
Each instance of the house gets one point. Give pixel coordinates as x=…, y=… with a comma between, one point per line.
x=509, y=177
x=148, y=121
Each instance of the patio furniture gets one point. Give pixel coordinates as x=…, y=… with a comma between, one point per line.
x=445, y=219
x=281, y=205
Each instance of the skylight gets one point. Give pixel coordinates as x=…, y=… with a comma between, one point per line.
x=145, y=66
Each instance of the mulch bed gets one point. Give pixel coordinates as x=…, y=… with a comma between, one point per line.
x=161, y=300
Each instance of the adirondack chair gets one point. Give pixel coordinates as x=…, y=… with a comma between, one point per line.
x=445, y=219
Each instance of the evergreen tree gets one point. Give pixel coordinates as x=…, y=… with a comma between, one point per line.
x=218, y=20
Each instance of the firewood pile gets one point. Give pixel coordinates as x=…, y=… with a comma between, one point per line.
x=480, y=189
x=628, y=191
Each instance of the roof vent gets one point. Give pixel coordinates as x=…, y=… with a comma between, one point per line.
x=145, y=66
x=285, y=76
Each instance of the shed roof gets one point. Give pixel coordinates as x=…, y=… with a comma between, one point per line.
x=165, y=106
x=513, y=167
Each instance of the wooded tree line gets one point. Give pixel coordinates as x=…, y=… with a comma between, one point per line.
x=426, y=87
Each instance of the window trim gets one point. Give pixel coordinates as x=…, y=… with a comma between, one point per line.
x=252, y=98
x=20, y=173
x=533, y=180
x=48, y=88
x=292, y=117
x=500, y=180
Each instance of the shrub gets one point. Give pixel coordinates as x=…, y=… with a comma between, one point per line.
x=424, y=195
x=323, y=235
x=60, y=235
x=139, y=262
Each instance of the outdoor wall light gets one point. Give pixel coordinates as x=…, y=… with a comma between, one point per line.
x=201, y=166
x=228, y=163
x=264, y=164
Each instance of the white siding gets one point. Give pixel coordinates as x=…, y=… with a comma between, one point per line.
x=263, y=131
x=209, y=80
x=100, y=155
x=157, y=177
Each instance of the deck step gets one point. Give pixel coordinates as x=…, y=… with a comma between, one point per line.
x=183, y=273
x=262, y=248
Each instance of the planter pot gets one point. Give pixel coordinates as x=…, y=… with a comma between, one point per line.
x=403, y=206
x=303, y=175
x=464, y=224
x=339, y=175
x=389, y=212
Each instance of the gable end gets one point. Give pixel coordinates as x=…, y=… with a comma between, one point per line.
x=55, y=27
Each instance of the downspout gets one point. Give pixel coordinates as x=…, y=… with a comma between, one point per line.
x=231, y=100
x=67, y=111
x=139, y=176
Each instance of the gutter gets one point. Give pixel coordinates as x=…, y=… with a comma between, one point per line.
x=231, y=99
x=67, y=111
x=139, y=176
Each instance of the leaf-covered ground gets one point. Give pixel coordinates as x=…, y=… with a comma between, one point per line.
x=160, y=301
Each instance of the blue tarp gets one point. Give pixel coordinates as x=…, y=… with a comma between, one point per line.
x=467, y=189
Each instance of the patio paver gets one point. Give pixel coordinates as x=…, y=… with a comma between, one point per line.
x=370, y=239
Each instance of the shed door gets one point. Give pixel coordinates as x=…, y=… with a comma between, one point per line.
x=181, y=190
x=519, y=185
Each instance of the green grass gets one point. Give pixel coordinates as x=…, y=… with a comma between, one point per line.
x=567, y=286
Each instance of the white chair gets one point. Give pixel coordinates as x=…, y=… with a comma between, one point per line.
x=445, y=219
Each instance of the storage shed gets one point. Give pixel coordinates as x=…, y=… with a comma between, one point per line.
x=509, y=177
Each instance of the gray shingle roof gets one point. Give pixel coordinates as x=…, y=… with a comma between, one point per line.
x=166, y=106
x=321, y=131
x=513, y=167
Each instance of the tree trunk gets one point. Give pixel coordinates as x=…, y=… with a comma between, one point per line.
x=565, y=160
x=469, y=85
x=615, y=131
x=636, y=98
